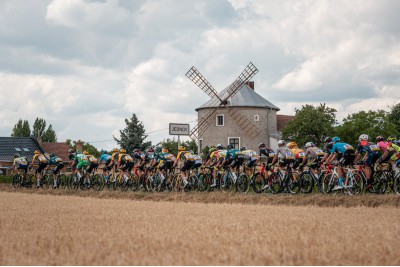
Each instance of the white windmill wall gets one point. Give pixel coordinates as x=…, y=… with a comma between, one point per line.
x=219, y=134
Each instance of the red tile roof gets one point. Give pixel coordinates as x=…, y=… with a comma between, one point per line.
x=282, y=120
x=59, y=149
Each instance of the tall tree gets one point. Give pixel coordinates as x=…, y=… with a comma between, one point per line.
x=311, y=124
x=49, y=135
x=21, y=129
x=39, y=128
x=394, y=116
x=133, y=135
x=372, y=123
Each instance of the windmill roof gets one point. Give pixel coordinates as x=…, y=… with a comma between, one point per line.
x=245, y=97
x=25, y=146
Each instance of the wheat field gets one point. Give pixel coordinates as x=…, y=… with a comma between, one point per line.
x=53, y=229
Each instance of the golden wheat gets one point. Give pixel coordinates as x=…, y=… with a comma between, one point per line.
x=43, y=229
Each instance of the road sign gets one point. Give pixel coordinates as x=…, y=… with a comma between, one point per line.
x=178, y=129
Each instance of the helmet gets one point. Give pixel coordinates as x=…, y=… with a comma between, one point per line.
x=281, y=142
x=261, y=145
x=115, y=150
x=243, y=148
x=17, y=155
x=212, y=149
x=158, y=149
x=335, y=139
x=71, y=150
x=52, y=155
x=309, y=144
x=36, y=152
x=103, y=151
x=229, y=147
x=291, y=145
x=136, y=150
x=85, y=152
x=391, y=138
x=164, y=150
x=219, y=146
x=150, y=149
x=328, y=139
x=379, y=138
x=78, y=152
x=122, y=150
x=182, y=148
x=363, y=137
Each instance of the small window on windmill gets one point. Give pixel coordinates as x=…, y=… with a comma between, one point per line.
x=18, y=149
x=256, y=117
x=25, y=149
x=220, y=120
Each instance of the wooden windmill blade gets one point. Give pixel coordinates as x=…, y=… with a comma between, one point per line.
x=195, y=76
x=247, y=126
x=202, y=125
x=244, y=77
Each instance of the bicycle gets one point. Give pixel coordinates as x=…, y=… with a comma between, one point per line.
x=21, y=179
x=285, y=180
x=229, y=182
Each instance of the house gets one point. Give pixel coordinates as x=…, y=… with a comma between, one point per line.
x=60, y=149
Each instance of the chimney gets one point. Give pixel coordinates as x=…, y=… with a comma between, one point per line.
x=79, y=145
x=250, y=84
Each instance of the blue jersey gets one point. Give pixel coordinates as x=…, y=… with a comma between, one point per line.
x=371, y=148
x=105, y=157
x=231, y=153
x=341, y=147
x=55, y=160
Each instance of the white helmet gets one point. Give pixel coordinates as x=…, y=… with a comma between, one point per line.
x=281, y=142
x=363, y=137
x=309, y=144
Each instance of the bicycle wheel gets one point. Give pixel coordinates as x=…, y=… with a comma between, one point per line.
x=97, y=182
x=241, y=183
x=328, y=181
x=306, y=182
x=62, y=181
x=390, y=182
x=275, y=183
x=225, y=182
x=202, y=182
x=16, y=181
x=354, y=184
x=257, y=182
x=380, y=182
x=134, y=182
x=293, y=184
x=396, y=184
x=47, y=180
x=28, y=181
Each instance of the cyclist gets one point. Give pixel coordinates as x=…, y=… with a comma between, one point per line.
x=114, y=160
x=42, y=164
x=372, y=154
x=314, y=156
x=140, y=159
x=59, y=163
x=81, y=162
x=387, y=152
x=93, y=164
x=234, y=159
x=20, y=163
x=283, y=156
x=251, y=156
x=216, y=159
x=166, y=163
x=188, y=160
x=71, y=157
x=106, y=158
x=328, y=148
x=299, y=154
x=125, y=163
x=395, y=149
x=207, y=158
x=344, y=153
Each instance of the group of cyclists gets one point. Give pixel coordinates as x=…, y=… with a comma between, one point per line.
x=336, y=151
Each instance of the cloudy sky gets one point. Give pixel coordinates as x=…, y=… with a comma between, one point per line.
x=85, y=66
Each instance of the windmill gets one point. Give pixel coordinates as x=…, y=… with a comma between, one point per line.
x=246, y=125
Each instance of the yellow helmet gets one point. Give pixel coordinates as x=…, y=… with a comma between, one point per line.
x=85, y=152
x=122, y=150
x=115, y=150
x=182, y=148
x=164, y=150
x=36, y=152
x=291, y=145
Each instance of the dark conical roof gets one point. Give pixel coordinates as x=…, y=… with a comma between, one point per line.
x=245, y=97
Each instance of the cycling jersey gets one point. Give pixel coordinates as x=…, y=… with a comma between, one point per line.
x=285, y=153
x=299, y=153
x=105, y=157
x=314, y=152
x=373, y=151
x=341, y=147
x=126, y=162
x=21, y=163
x=345, y=153
x=328, y=148
x=383, y=145
x=250, y=154
x=55, y=160
x=267, y=152
x=185, y=155
x=395, y=149
x=82, y=161
x=40, y=158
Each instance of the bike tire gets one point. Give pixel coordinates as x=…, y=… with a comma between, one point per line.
x=62, y=181
x=380, y=182
x=242, y=183
x=355, y=185
x=396, y=184
x=275, y=183
x=202, y=183
x=257, y=182
x=293, y=185
x=306, y=182
x=328, y=183
x=16, y=181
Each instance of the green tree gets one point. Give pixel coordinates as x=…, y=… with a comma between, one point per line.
x=86, y=147
x=133, y=135
x=190, y=145
x=311, y=124
x=372, y=123
x=39, y=127
x=394, y=116
x=49, y=135
x=21, y=129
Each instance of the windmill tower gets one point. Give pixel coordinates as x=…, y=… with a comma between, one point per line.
x=237, y=115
